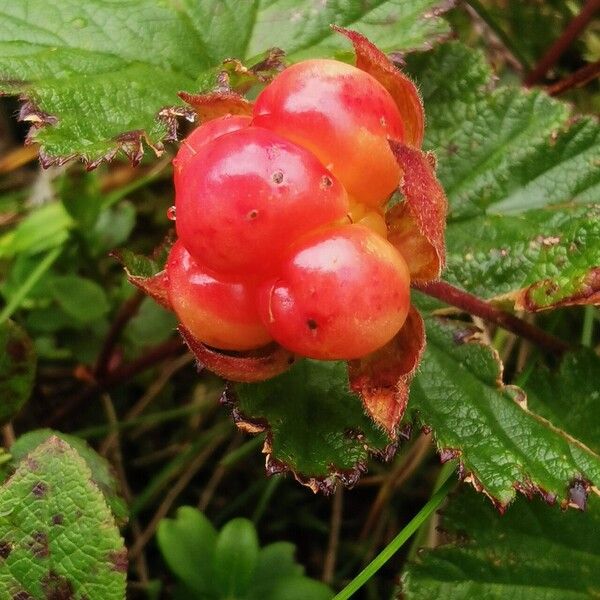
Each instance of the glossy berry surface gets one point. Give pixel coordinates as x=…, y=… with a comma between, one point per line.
x=245, y=196
x=205, y=133
x=342, y=293
x=221, y=314
x=344, y=116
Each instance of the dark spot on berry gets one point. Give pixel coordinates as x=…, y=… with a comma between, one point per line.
x=119, y=560
x=252, y=214
x=278, y=177
x=39, y=489
x=57, y=587
x=57, y=520
x=326, y=182
x=5, y=549
x=311, y=324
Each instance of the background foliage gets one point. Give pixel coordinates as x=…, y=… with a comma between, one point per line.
x=85, y=357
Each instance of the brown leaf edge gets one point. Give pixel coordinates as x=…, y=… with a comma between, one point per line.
x=588, y=293
x=578, y=488
x=382, y=378
x=325, y=485
x=131, y=143
x=371, y=59
x=417, y=225
x=230, y=78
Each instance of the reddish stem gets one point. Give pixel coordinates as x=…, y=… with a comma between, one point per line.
x=120, y=375
x=480, y=308
x=569, y=35
x=577, y=79
x=126, y=312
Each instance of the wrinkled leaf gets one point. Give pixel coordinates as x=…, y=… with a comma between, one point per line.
x=382, y=378
x=98, y=75
x=316, y=427
x=502, y=446
x=101, y=470
x=522, y=181
x=57, y=536
x=534, y=552
x=17, y=369
x=570, y=397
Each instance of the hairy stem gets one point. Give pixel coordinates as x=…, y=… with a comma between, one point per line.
x=488, y=312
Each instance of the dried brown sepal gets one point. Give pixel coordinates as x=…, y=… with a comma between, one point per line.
x=235, y=76
x=416, y=226
x=372, y=60
x=213, y=105
x=157, y=287
x=247, y=367
x=383, y=377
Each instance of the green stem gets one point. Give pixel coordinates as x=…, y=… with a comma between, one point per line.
x=398, y=541
x=34, y=277
x=588, y=326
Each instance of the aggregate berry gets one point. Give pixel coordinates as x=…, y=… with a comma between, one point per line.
x=246, y=195
x=344, y=116
x=205, y=133
x=219, y=313
x=342, y=293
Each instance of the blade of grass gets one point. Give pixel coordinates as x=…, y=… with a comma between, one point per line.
x=397, y=543
x=16, y=300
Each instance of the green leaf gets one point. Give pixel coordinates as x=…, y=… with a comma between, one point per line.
x=187, y=544
x=17, y=369
x=570, y=397
x=518, y=173
x=279, y=577
x=534, y=552
x=235, y=558
x=98, y=74
x=102, y=474
x=302, y=28
x=316, y=427
x=58, y=537
x=83, y=299
x=45, y=228
x=502, y=446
